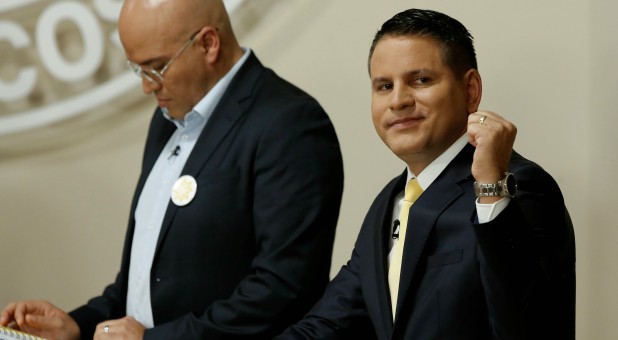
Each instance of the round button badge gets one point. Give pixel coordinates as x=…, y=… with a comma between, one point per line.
x=184, y=190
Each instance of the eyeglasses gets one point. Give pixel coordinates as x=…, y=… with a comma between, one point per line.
x=156, y=75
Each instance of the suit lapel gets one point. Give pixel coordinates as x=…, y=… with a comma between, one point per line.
x=229, y=109
x=159, y=133
x=225, y=116
x=424, y=213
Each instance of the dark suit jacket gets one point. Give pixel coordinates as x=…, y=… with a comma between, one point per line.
x=511, y=278
x=251, y=253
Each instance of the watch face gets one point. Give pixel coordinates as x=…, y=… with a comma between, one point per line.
x=511, y=184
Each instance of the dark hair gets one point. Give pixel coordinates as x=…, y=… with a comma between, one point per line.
x=456, y=42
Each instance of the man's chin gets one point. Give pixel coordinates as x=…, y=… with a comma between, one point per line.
x=171, y=113
x=404, y=146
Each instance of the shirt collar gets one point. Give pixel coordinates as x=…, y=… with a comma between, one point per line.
x=435, y=168
x=204, y=108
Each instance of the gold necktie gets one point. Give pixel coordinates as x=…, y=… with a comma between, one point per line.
x=413, y=191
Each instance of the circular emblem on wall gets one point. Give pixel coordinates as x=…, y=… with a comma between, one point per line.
x=59, y=59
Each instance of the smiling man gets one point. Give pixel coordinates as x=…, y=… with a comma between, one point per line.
x=233, y=220
x=472, y=240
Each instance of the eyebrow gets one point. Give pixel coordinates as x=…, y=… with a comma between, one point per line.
x=412, y=73
x=379, y=80
x=150, y=61
x=419, y=72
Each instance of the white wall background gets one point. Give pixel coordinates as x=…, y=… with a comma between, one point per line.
x=548, y=66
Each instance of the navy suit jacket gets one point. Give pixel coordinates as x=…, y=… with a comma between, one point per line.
x=511, y=278
x=251, y=253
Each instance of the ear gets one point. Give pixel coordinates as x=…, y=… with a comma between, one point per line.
x=474, y=90
x=210, y=43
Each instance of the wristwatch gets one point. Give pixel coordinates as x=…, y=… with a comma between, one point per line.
x=505, y=187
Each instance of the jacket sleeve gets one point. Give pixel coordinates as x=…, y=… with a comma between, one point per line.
x=527, y=258
x=98, y=309
x=340, y=314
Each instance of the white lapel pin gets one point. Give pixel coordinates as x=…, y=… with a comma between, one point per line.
x=184, y=190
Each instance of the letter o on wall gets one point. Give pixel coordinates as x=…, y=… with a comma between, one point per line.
x=91, y=34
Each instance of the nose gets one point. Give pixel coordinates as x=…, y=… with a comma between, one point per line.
x=401, y=97
x=149, y=86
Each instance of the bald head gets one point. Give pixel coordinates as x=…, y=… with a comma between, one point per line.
x=164, y=22
x=196, y=35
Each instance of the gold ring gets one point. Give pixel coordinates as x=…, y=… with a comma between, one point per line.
x=482, y=120
x=106, y=328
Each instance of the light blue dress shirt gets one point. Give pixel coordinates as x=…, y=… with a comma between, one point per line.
x=155, y=196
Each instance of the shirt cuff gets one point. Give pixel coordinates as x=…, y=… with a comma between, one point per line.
x=487, y=212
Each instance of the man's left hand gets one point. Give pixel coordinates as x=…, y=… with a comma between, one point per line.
x=493, y=136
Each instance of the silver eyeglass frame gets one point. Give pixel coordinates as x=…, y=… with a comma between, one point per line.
x=154, y=75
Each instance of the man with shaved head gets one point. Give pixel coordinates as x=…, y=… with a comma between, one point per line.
x=233, y=220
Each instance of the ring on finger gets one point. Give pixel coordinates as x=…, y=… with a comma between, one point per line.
x=106, y=328
x=482, y=120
